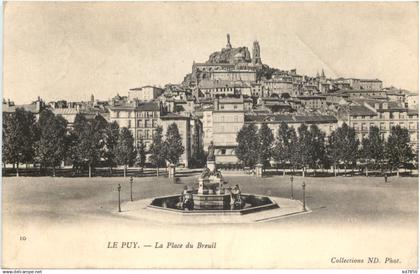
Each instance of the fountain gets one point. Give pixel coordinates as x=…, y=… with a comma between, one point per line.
x=213, y=195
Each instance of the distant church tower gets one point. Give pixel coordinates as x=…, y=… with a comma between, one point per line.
x=228, y=45
x=256, y=54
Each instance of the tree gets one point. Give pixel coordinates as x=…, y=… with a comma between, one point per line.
x=398, y=149
x=373, y=147
x=86, y=148
x=294, y=150
x=125, y=148
x=173, y=144
x=198, y=158
x=140, y=154
x=316, y=146
x=304, y=147
x=247, y=148
x=281, y=151
x=265, y=140
x=111, y=134
x=51, y=146
x=343, y=146
x=157, y=157
x=20, y=137
x=350, y=148
x=333, y=149
x=73, y=139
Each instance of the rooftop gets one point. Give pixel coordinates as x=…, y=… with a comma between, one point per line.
x=361, y=111
x=141, y=88
x=290, y=118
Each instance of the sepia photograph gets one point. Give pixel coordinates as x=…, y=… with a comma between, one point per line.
x=210, y=135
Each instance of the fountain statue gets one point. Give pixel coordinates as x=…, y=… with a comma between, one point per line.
x=211, y=158
x=213, y=194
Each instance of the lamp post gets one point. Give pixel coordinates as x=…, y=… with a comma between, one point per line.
x=131, y=188
x=291, y=187
x=119, y=197
x=304, y=198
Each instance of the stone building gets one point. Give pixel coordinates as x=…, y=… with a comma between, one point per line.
x=278, y=86
x=313, y=101
x=142, y=119
x=145, y=93
x=383, y=114
x=361, y=84
x=221, y=125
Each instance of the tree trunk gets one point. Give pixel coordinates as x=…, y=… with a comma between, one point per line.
x=367, y=172
x=53, y=170
x=110, y=171
x=303, y=171
x=345, y=170
x=157, y=171
x=398, y=172
x=90, y=170
x=125, y=171
x=17, y=169
x=335, y=170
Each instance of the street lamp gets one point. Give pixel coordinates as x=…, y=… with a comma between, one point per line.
x=119, y=197
x=291, y=187
x=304, y=198
x=131, y=188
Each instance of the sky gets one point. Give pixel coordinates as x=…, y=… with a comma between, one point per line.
x=72, y=50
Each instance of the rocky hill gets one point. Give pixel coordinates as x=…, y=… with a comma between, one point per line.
x=226, y=55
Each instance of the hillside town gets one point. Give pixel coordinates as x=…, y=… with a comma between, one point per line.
x=233, y=88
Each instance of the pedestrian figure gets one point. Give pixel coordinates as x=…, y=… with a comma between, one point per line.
x=386, y=177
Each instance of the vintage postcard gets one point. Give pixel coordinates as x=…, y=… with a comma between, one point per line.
x=210, y=135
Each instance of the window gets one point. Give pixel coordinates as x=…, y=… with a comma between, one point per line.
x=223, y=151
x=117, y=114
x=139, y=123
x=129, y=123
x=235, y=107
x=146, y=123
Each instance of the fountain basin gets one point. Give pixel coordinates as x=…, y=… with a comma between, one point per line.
x=213, y=204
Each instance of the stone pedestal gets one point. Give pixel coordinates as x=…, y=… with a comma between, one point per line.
x=211, y=165
x=259, y=170
x=171, y=173
x=211, y=201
